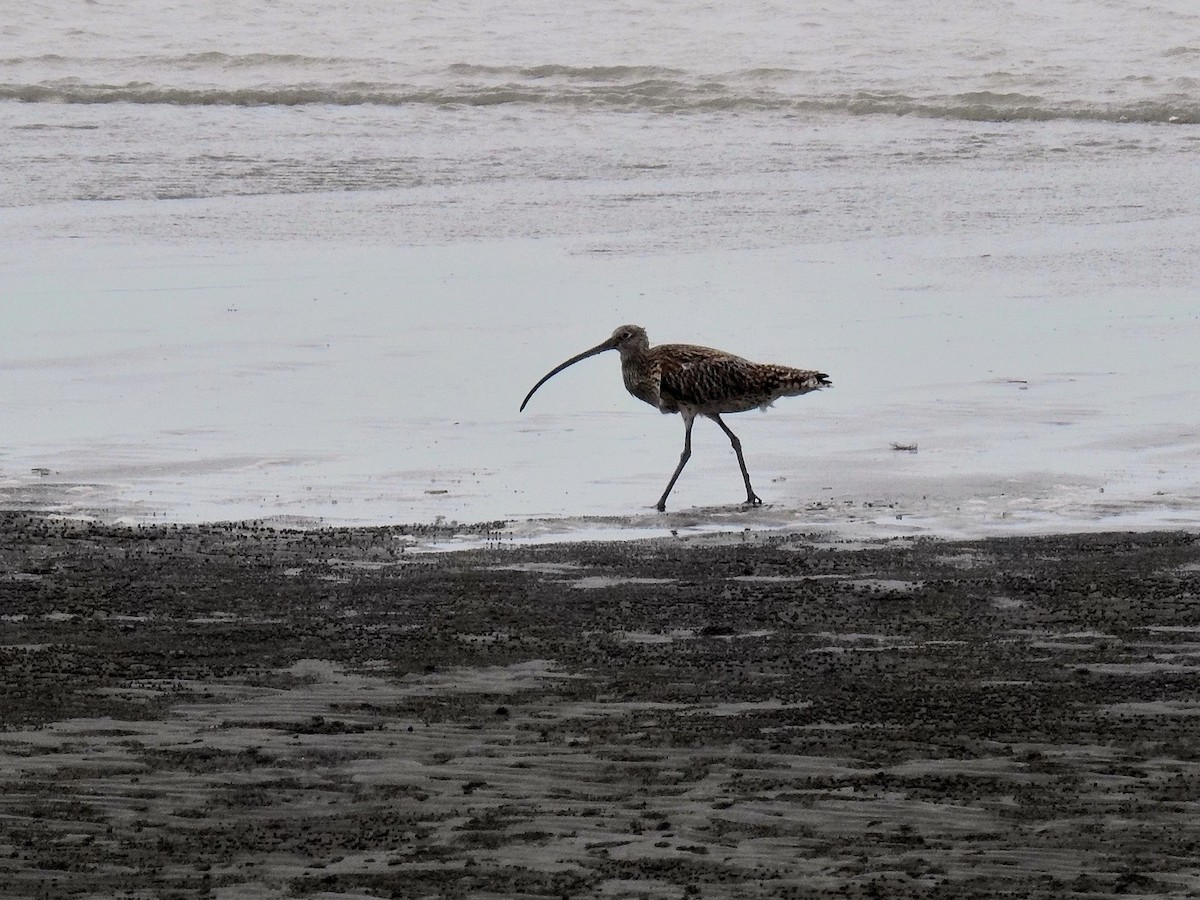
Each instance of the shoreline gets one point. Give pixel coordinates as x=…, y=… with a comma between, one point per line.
x=839, y=521
x=294, y=712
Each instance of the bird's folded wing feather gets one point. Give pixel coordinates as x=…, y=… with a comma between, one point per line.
x=710, y=379
x=697, y=376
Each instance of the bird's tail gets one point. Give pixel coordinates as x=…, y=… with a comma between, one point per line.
x=793, y=382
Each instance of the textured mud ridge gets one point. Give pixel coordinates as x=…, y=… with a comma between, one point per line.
x=232, y=712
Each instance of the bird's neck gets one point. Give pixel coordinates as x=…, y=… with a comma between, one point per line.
x=639, y=380
x=632, y=354
x=633, y=360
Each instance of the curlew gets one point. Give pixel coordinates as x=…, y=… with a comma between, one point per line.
x=697, y=381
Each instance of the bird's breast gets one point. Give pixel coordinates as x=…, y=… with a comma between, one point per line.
x=642, y=381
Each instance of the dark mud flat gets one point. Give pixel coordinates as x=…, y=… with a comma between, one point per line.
x=239, y=712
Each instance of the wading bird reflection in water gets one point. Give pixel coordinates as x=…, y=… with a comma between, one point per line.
x=697, y=381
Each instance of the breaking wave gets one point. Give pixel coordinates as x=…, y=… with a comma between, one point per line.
x=647, y=89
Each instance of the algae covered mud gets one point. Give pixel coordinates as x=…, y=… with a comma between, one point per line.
x=219, y=711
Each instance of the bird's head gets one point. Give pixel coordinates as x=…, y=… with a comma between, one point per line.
x=629, y=340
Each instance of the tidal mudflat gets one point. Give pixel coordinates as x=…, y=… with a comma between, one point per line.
x=239, y=711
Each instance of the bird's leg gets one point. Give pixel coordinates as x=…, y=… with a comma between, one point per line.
x=683, y=458
x=751, y=498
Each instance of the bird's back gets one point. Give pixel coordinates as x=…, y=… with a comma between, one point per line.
x=706, y=381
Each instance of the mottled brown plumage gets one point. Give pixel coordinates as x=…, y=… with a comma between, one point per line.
x=697, y=381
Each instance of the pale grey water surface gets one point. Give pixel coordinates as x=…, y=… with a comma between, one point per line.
x=303, y=259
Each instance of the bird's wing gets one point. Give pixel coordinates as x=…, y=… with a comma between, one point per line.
x=698, y=376
x=712, y=381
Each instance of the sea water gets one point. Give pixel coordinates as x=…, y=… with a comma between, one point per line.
x=301, y=260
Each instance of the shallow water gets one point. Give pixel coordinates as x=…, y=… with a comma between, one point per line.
x=258, y=268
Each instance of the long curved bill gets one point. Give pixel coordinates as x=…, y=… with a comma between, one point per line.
x=599, y=348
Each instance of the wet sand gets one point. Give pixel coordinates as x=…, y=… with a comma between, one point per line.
x=220, y=711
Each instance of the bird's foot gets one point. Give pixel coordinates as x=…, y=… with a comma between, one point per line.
x=753, y=499
x=661, y=505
